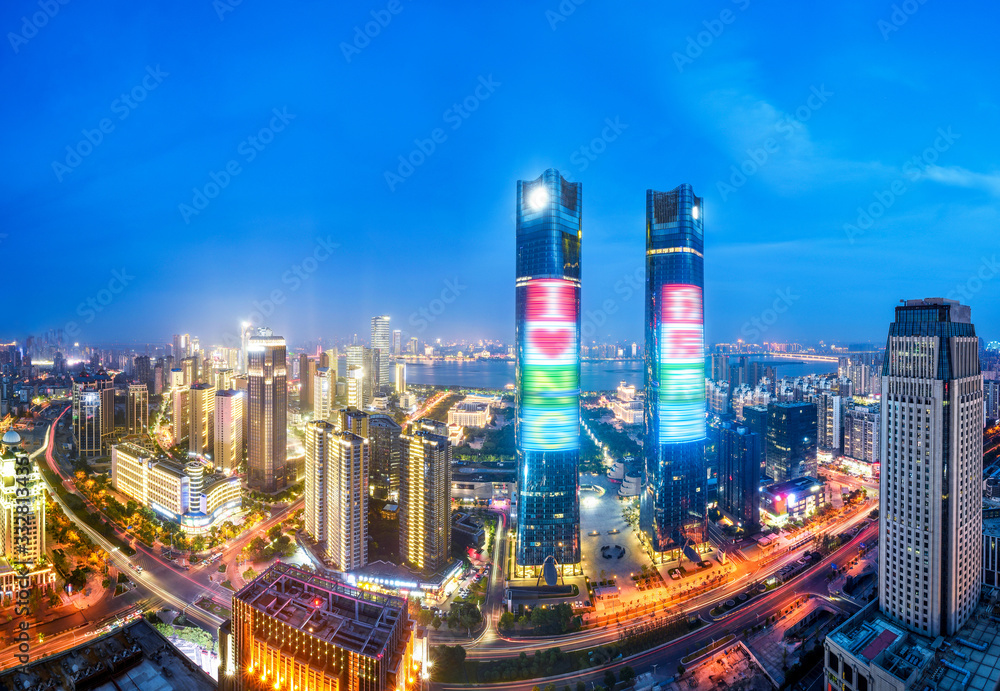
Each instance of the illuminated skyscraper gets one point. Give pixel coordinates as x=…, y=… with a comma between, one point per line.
x=137, y=413
x=547, y=323
x=201, y=434
x=268, y=412
x=672, y=510
x=324, y=390
x=397, y=342
x=382, y=342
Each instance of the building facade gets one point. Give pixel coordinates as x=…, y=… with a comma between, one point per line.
x=268, y=412
x=672, y=512
x=382, y=342
x=201, y=434
x=137, y=412
x=739, y=453
x=791, y=441
x=229, y=420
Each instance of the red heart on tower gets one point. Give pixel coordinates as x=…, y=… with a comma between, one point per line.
x=550, y=342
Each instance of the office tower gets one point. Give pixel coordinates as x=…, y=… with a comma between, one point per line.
x=791, y=441
x=382, y=342
x=829, y=411
x=400, y=379
x=319, y=435
x=347, y=460
x=355, y=386
x=547, y=405
x=242, y=384
x=672, y=509
x=292, y=629
x=991, y=396
x=386, y=450
x=267, y=405
x=414, y=346
x=229, y=416
x=87, y=416
x=397, y=342
x=106, y=389
x=137, y=412
x=180, y=412
x=180, y=350
x=930, y=524
x=739, y=454
x=425, y=496
x=305, y=383
x=324, y=390
x=143, y=371
x=862, y=425
x=189, y=366
x=201, y=433
x=355, y=356
x=22, y=503
x=720, y=367
x=372, y=366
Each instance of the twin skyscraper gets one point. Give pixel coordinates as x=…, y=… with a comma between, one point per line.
x=548, y=334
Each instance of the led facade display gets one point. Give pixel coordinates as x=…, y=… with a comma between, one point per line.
x=682, y=364
x=550, y=374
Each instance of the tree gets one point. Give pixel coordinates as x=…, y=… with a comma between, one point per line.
x=507, y=621
x=626, y=674
x=425, y=618
x=436, y=623
x=609, y=679
x=580, y=686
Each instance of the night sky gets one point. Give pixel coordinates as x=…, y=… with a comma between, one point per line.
x=291, y=122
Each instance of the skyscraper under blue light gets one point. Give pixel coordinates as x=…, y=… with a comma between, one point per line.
x=672, y=508
x=547, y=314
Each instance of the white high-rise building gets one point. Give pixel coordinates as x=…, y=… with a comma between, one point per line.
x=382, y=342
x=355, y=386
x=931, y=524
x=229, y=414
x=324, y=391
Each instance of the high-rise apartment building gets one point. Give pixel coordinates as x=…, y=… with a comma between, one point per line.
x=267, y=405
x=189, y=366
x=355, y=386
x=930, y=523
x=229, y=415
x=382, y=342
x=22, y=503
x=306, y=372
x=830, y=414
x=739, y=454
x=324, y=392
x=347, y=461
x=414, y=348
x=292, y=629
x=397, y=342
x=180, y=412
x=425, y=496
x=201, y=434
x=137, y=412
x=673, y=512
x=400, y=379
x=862, y=425
x=319, y=434
x=547, y=404
x=791, y=441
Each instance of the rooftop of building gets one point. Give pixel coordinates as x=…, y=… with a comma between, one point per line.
x=129, y=659
x=968, y=661
x=799, y=484
x=350, y=618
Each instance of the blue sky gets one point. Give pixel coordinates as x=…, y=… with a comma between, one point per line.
x=829, y=108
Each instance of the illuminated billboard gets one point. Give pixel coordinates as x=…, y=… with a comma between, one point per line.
x=682, y=364
x=550, y=370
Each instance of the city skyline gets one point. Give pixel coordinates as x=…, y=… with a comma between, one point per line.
x=782, y=234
